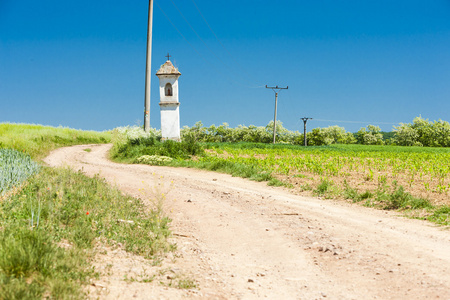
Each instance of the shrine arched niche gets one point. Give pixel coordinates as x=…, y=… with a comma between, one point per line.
x=168, y=89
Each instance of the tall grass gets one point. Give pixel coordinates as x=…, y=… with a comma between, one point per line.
x=38, y=140
x=61, y=207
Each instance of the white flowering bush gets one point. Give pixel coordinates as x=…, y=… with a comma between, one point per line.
x=136, y=132
x=155, y=160
x=254, y=134
x=121, y=135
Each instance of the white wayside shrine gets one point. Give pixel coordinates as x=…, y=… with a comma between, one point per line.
x=169, y=104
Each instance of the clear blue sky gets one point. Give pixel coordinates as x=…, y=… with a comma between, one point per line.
x=81, y=64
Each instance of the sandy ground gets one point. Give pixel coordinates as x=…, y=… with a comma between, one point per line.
x=239, y=239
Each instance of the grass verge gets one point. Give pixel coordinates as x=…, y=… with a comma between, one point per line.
x=49, y=228
x=179, y=154
x=38, y=140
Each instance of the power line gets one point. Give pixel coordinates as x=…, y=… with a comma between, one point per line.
x=179, y=32
x=192, y=28
x=356, y=122
x=199, y=54
x=210, y=28
x=206, y=45
x=223, y=46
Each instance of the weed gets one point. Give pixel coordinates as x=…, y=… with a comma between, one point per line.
x=323, y=187
x=399, y=199
x=369, y=176
x=186, y=284
x=365, y=195
x=275, y=182
x=369, y=203
x=306, y=187
x=144, y=277
x=441, y=215
x=382, y=180
x=300, y=176
x=350, y=193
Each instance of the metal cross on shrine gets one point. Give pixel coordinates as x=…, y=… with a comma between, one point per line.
x=168, y=56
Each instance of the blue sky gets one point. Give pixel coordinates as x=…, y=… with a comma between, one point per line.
x=81, y=64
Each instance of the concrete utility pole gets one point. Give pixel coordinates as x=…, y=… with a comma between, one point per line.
x=276, y=89
x=305, y=119
x=148, y=67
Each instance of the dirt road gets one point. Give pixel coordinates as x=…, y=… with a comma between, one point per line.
x=240, y=239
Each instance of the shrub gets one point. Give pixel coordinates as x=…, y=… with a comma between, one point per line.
x=423, y=133
x=329, y=135
x=253, y=134
x=324, y=187
x=371, y=136
x=441, y=215
x=400, y=199
x=136, y=148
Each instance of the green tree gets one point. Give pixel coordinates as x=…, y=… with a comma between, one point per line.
x=406, y=135
x=370, y=135
x=442, y=132
x=330, y=135
x=422, y=132
x=425, y=131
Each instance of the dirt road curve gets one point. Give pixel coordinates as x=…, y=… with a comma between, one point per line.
x=240, y=239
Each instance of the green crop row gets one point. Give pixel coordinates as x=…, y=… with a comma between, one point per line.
x=340, y=160
x=15, y=168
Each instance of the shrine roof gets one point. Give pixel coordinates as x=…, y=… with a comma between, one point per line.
x=168, y=69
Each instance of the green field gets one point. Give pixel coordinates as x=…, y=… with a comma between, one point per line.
x=38, y=140
x=424, y=172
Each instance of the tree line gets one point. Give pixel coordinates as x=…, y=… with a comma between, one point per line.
x=421, y=132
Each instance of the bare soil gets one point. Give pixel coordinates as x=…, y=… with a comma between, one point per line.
x=239, y=239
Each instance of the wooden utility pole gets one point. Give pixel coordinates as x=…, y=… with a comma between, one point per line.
x=305, y=119
x=276, y=89
x=148, y=67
